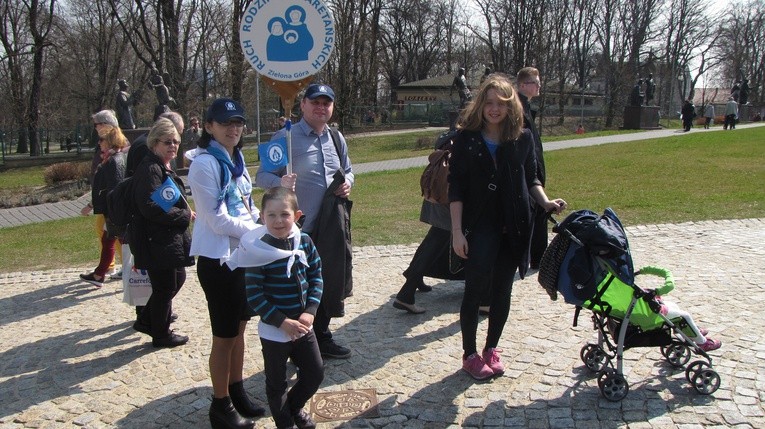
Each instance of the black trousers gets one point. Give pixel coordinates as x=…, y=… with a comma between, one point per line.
x=730, y=121
x=431, y=259
x=165, y=284
x=489, y=271
x=538, y=236
x=305, y=354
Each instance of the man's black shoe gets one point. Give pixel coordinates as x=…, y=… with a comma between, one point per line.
x=331, y=349
x=173, y=317
x=303, y=420
x=172, y=340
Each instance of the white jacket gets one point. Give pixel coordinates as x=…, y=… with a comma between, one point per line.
x=216, y=232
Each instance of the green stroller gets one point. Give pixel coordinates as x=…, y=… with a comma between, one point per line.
x=589, y=263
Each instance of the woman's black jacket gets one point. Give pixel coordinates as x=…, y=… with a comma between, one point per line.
x=158, y=239
x=473, y=174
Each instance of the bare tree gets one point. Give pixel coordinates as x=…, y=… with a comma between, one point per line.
x=742, y=47
x=159, y=33
x=14, y=38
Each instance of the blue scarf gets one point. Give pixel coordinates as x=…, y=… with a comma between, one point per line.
x=229, y=173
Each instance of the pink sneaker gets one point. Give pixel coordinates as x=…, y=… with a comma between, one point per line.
x=710, y=345
x=476, y=367
x=491, y=357
x=704, y=331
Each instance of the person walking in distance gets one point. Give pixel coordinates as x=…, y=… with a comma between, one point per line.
x=322, y=177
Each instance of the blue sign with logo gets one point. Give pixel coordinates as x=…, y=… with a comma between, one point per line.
x=273, y=155
x=166, y=195
x=287, y=40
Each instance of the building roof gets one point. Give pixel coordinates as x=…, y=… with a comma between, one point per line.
x=710, y=95
x=443, y=81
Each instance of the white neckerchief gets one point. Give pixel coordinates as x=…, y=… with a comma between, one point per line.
x=254, y=252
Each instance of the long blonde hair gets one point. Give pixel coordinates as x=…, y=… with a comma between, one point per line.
x=472, y=117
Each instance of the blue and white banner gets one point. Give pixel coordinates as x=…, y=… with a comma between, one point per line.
x=273, y=155
x=166, y=195
x=287, y=40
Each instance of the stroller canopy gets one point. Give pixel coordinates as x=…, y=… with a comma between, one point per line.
x=588, y=246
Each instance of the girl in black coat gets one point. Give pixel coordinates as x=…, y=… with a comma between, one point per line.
x=159, y=233
x=492, y=176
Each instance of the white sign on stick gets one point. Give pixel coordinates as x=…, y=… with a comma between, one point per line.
x=287, y=40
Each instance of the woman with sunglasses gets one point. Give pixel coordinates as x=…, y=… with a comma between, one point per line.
x=222, y=191
x=159, y=233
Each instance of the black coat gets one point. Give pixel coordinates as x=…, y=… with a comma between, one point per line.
x=528, y=122
x=332, y=237
x=107, y=175
x=158, y=239
x=472, y=171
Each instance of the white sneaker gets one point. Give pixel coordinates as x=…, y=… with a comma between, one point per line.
x=116, y=275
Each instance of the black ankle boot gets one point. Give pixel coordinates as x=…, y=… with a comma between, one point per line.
x=223, y=415
x=242, y=403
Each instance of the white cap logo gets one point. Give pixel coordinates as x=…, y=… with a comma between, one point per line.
x=230, y=106
x=323, y=89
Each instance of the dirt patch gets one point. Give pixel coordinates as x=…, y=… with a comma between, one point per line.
x=22, y=197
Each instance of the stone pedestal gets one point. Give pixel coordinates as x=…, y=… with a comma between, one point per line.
x=135, y=133
x=745, y=113
x=453, y=115
x=641, y=118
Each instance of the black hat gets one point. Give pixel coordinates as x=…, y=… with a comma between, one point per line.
x=317, y=90
x=223, y=110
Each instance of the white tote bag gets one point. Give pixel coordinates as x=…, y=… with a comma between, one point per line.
x=136, y=286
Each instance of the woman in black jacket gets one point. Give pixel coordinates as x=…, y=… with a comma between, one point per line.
x=159, y=233
x=492, y=176
x=112, y=145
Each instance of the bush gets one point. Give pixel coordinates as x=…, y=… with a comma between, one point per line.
x=426, y=142
x=66, y=171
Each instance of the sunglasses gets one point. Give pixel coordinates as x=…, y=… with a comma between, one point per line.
x=232, y=123
x=171, y=142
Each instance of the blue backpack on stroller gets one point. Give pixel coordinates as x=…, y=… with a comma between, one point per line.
x=589, y=263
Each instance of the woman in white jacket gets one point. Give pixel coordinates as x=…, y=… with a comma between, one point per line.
x=221, y=188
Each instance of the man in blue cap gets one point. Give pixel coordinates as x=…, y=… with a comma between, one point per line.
x=322, y=177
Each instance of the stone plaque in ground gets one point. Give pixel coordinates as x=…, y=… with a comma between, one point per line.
x=344, y=405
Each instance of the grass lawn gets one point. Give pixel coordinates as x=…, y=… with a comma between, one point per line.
x=689, y=177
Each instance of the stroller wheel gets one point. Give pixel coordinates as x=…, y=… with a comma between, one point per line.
x=693, y=367
x=613, y=386
x=677, y=353
x=596, y=359
x=586, y=349
x=706, y=381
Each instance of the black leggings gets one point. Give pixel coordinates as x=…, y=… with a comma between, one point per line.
x=489, y=270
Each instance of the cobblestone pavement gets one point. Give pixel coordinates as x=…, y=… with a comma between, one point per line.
x=69, y=358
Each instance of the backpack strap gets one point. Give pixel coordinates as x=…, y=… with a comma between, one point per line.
x=334, y=135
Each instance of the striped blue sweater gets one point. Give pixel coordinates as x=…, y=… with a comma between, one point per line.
x=274, y=296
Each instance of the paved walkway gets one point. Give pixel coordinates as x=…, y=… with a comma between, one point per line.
x=66, y=209
x=69, y=358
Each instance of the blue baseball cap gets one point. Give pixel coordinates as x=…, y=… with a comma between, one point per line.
x=318, y=90
x=223, y=110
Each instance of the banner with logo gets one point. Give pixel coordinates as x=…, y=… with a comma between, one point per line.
x=287, y=40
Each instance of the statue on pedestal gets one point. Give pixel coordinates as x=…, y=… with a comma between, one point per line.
x=157, y=83
x=461, y=84
x=743, y=94
x=636, y=96
x=124, y=105
x=650, y=89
